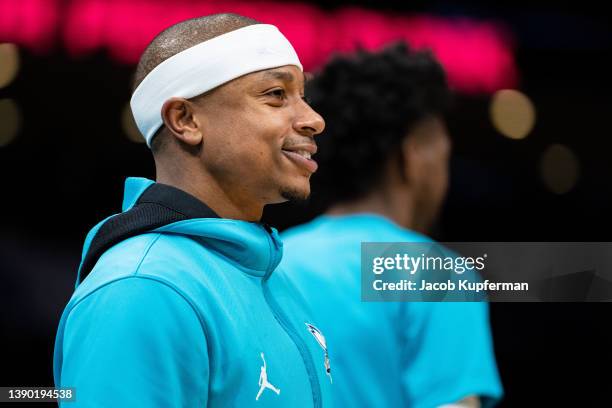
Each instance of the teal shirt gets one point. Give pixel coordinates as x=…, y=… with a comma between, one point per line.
x=184, y=316
x=391, y=354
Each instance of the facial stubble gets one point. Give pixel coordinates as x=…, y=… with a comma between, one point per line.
x=294, y=195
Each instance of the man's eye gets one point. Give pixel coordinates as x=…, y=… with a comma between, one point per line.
x=277, y=93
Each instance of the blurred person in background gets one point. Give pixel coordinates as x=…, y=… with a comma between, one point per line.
x=384, y=160
x=176, y=303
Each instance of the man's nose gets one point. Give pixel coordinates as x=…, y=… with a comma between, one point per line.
x=310, y=123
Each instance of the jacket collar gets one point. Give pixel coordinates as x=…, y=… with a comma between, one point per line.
x=255, y=248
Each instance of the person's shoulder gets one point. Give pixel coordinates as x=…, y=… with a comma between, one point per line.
x=355, y=227
x=311, y=242
x=151, y=255
x=128, y=319
x=395, y=233
x=301, y=231
x=141, y=291
x=319, y=232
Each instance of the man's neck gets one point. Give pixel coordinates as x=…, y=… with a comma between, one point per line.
x=206, y=189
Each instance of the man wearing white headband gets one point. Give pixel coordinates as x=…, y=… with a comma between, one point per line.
x=176, y=303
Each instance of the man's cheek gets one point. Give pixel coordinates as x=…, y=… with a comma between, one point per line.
x=257, y=160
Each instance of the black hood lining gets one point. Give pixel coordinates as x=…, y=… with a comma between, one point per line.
x=158, y=205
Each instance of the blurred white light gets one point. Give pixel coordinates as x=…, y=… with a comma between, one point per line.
x=9, y=63
x=559, y=169
x=129, y=125
x=512, y=113
x=10, y=121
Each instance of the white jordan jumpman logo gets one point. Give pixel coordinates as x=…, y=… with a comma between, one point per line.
x=263, y=381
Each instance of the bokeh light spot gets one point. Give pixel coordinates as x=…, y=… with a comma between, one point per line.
x=9, y=63
x=512, y=113
x=559, y=168
x=10, y=121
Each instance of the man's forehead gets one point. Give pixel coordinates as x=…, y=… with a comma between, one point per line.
x=287, y=73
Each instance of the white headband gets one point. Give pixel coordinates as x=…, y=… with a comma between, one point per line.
x=206, y=66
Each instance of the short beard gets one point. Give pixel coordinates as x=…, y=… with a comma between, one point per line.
x=295, y=196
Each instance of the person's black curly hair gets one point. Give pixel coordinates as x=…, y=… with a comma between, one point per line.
x=369, y=102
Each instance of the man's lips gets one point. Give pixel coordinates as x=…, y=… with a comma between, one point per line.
x=300, y=155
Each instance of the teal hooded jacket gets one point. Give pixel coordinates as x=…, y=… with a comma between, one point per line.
x=187, y=313
x=388, y=354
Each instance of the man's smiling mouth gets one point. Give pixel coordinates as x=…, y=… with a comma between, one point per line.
x=301, y=155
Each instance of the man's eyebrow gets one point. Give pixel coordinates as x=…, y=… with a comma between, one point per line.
x=282, y=75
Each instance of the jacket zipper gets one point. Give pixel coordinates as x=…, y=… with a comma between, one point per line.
x=315, y=386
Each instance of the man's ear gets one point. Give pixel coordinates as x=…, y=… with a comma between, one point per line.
x=179, y=117
x=411, y=160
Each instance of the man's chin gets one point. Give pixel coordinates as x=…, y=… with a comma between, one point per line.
x=295, y=194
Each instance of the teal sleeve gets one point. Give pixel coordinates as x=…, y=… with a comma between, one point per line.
x=448, y=354
x=135, y=343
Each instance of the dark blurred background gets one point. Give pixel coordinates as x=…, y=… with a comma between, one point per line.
x=530, y=127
